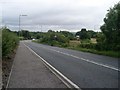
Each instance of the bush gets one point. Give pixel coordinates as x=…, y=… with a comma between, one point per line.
x=117, y=48
x=54, y=39
x=9, y=42
x=87, y=41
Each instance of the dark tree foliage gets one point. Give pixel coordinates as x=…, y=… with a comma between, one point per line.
x=67, y=34
x=83, y=34
x=111, y=28
x=92, y=34
x=25, y=34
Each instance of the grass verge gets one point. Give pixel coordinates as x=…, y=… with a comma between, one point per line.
x=106, y=53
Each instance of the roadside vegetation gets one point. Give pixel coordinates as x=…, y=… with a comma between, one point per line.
x=91, y=44
x=53, y=38
x=9, y=42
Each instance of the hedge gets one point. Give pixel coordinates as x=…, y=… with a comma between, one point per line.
x=9, y=42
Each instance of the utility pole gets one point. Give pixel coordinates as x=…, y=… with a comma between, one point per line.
x=20, y=23
x=19, y=26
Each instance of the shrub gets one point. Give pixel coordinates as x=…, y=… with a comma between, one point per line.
x=85, y=41
x=88, y=45
x=54, y=39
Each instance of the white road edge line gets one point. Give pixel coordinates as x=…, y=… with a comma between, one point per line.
x=100, y=64
x=55, y=70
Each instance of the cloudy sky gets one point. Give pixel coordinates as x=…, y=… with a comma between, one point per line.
x=42, y=15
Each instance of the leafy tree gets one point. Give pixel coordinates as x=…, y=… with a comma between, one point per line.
x=67, y=34
x=92, y=34
x=83, y=34
x=25, y=34
x=111, y=27
x=50, y=31
x=54, y=38
x=100, y=37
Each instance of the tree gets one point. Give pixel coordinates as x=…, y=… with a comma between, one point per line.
x=83, y=34
x=92, y=34
x=111, y=27
x=67, y=34
x=25, y=34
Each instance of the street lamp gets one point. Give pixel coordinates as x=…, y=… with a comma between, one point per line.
x=20, y=23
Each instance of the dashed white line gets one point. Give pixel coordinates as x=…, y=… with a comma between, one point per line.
x=87, y=60
x=100, y=64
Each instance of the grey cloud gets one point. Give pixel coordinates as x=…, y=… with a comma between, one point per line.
x=62, y=14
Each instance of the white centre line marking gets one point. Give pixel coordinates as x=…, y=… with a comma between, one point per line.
x=96, y=63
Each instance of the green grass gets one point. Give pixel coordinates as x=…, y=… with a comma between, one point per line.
x=75, y=46
x=107, y=53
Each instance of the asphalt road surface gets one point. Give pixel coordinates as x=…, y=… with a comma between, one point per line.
x=86, y=70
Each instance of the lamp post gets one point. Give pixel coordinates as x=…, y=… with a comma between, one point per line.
x=20, y=23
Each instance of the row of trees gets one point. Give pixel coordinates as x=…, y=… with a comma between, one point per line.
x=59, y=38
x=37, y=35
x=56, y=38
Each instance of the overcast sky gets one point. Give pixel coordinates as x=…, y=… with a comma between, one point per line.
x=71, y=15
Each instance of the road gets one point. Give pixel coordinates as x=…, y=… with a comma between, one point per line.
x=86, y=70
